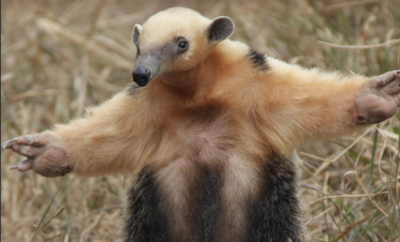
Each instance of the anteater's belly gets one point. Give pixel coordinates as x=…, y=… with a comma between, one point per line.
x=215, y=200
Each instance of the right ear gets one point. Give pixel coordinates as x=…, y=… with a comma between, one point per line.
x=136, y=34
x=220, y=28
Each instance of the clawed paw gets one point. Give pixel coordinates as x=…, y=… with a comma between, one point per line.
x=379, y=99
x=44, y=155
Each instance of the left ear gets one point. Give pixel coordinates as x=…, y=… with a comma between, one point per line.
x=136, y=34
x=220, y=29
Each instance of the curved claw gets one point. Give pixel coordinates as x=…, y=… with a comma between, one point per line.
x=30, y=140
x=14, y=167
x=24, y=165
x=386, y=78
x=8, y=144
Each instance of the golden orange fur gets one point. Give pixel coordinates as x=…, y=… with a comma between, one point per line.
x=280, y=108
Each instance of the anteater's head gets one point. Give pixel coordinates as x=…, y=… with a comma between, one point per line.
x=175, y=40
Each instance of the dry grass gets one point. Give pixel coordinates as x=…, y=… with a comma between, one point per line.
x=61, y=56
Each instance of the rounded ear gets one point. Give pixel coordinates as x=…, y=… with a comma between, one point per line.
x=136, y=33
x=220, y=29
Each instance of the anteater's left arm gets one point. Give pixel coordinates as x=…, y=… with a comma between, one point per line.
x=315, y=104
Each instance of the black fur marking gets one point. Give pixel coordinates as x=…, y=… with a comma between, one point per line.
x=149, y=220
x=275, y=216
x=205, y=204
x=145, y=220
x=259, y=60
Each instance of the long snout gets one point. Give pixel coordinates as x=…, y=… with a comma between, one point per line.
x=146, y=68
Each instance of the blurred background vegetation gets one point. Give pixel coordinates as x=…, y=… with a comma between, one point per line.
x=58, y=57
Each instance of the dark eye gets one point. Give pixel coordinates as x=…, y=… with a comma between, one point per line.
x=183, y=45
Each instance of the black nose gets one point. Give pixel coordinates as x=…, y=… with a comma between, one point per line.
x=141, y=76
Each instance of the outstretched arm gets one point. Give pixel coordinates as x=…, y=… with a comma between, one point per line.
x=114, y=137
x=311, y=104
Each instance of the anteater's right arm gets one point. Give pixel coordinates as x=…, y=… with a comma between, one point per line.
x=113, y=138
